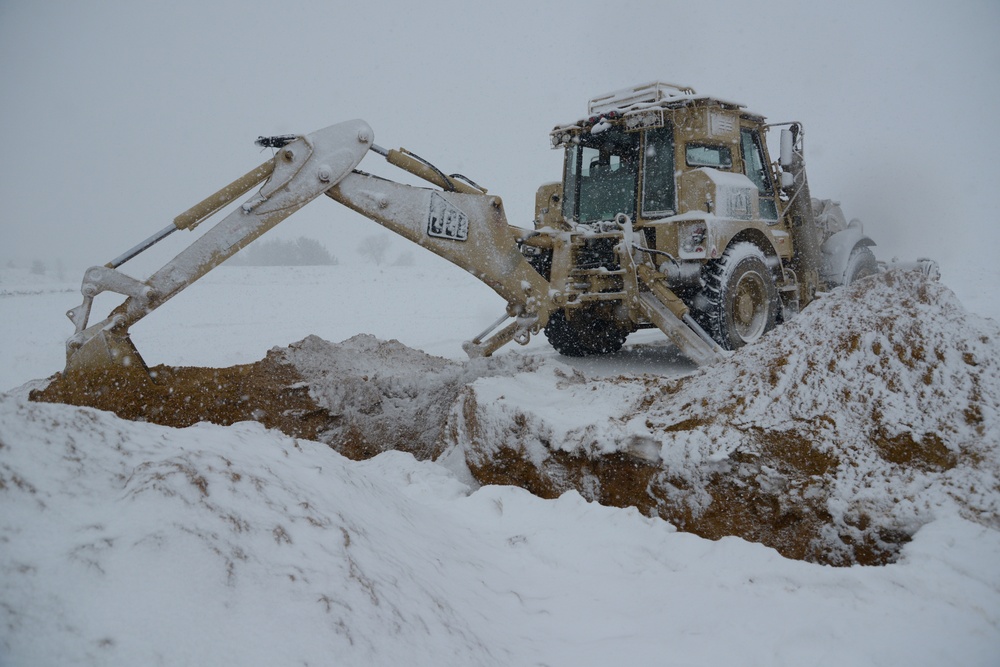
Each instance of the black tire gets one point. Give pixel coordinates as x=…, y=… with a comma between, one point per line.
x=591, y=331
x=739, y=302
x=860, y=264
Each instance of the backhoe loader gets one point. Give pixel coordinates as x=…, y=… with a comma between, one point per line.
x=670, y=214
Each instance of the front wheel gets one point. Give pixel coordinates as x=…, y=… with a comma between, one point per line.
x=739, y=303
x=588, y=332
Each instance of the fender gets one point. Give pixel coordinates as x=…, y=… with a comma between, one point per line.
x=837, y=249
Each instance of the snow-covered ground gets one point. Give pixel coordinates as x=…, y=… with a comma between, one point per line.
x=130, y=543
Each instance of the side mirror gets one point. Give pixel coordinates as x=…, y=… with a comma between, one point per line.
x=787, y=143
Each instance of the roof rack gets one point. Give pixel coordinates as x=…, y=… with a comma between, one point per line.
x=644, y=93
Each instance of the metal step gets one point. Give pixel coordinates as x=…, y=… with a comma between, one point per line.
x=691, y=344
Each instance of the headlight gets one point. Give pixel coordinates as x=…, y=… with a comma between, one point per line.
x=693, y=240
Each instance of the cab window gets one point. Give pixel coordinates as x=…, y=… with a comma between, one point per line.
x=706, y=155
x=601, y=176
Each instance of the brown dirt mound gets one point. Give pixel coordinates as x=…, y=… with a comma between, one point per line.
x=269, y=391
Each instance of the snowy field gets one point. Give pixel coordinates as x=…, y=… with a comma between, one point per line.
x=125, y=543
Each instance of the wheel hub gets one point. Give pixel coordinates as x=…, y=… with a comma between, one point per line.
x=744, y=309
x=750, y=307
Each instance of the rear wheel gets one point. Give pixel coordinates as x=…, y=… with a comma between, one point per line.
x=590, y=331
x=739, y=303
x=860, y=264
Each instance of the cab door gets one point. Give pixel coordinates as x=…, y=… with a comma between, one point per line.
x=758, y=170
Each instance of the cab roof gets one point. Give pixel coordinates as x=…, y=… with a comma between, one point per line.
x=635, y=103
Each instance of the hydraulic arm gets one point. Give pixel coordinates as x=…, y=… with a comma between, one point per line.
x=461, y=223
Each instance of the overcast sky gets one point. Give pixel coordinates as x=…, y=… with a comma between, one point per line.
x=116, y=116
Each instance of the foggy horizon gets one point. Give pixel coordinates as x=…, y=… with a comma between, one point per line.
x=119, y=117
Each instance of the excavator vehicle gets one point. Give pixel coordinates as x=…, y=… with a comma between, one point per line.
x=670, y=214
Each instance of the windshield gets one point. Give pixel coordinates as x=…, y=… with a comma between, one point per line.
x=600, y=178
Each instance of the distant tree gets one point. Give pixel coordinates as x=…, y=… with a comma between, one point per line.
x=38, y=267
x=277, y=252
x=374, y=248
x=311, y=252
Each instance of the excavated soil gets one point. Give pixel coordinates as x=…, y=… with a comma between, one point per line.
x=832, y=440
x=269, y=391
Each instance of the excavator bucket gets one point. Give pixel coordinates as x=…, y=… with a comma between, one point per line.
x=107, y=350
x=106, y=372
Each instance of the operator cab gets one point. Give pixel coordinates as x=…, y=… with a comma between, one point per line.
x=627, y=155
x=621, y=158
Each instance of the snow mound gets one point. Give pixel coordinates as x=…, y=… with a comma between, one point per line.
x=129, y=543
x=382, y=395
x=125, y=543
x=833, y=439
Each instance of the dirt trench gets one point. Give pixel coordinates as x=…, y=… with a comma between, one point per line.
x=366, y=420
x=372, y=412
